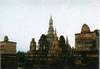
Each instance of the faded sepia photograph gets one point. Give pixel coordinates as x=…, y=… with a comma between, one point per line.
x=49, y=34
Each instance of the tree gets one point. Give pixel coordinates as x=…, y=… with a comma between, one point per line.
x=62, y=45
x=21, y=56
x=44, y=45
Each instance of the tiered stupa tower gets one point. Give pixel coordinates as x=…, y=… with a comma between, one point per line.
x=68, y=46
x=32, y=47
x=50, y=35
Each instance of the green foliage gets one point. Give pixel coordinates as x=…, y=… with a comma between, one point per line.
x=62, y=42
x=44, y=45
x=21, y=56
x=62, y=45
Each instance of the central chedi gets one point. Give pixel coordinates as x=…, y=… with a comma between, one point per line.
x=52, y=38
x=50, y=45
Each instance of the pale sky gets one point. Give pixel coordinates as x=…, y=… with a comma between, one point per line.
x=22, y=20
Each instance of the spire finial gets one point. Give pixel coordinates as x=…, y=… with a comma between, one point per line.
x=50, y=21
x=55, y=31
x=67, y=42
x=55, y=28
x=50, y=16
x=55, y=35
